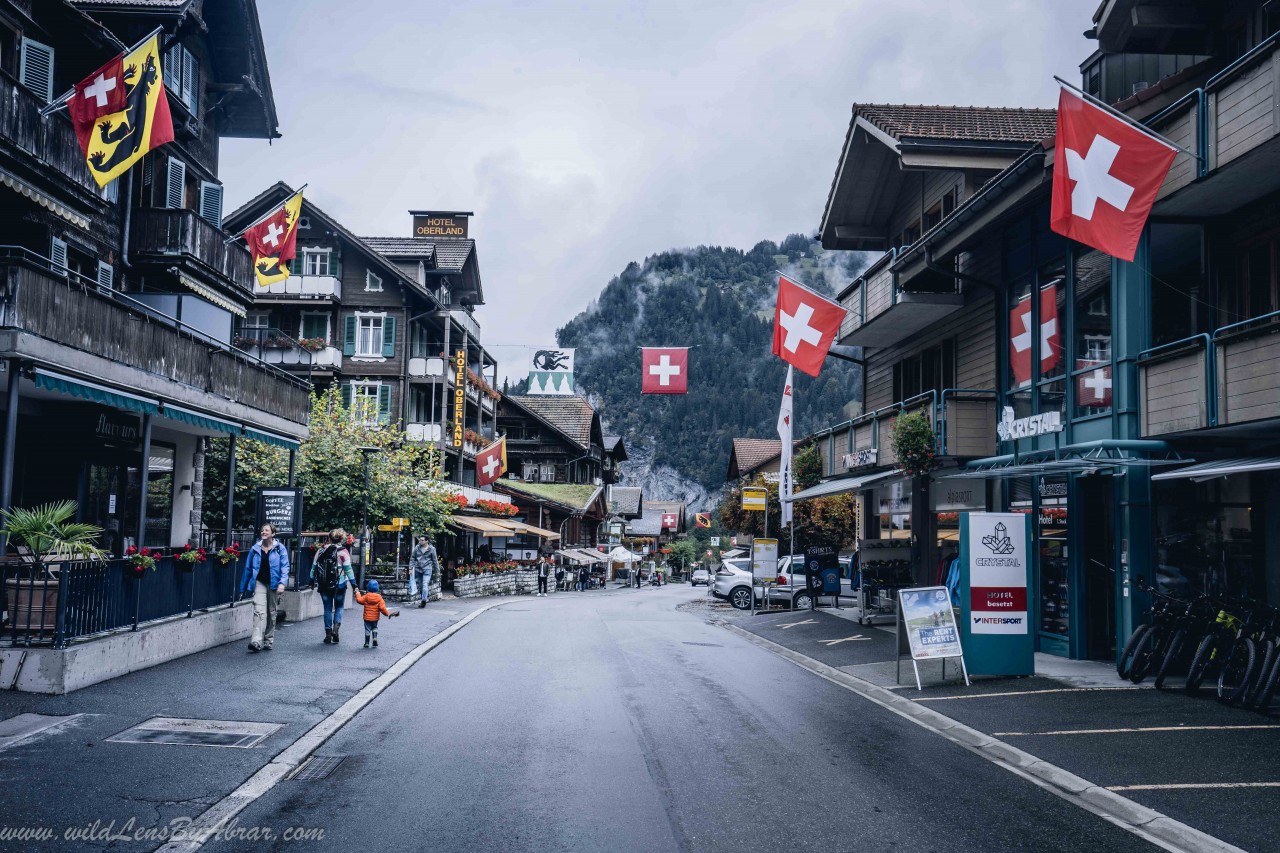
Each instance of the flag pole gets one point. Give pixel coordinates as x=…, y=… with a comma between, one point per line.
x=61, y=101
x=268, y=214
x=1127, y=119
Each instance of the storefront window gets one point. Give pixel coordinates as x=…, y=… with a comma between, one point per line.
x=1021, y=334
x=1051, y=520
x=1204, y=538
x=1179, y=292
x=1093, y=369
x=1052, y=320
x=894, y=503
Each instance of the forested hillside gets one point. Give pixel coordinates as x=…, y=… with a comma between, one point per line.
x=719, y=301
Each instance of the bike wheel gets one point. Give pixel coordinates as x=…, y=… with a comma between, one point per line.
x=1175, y=645
x=1145, y=654
x=1200, y=664
x=1267, y=657
x=1270, y=681
x=1126, y=656
x=1237, y=670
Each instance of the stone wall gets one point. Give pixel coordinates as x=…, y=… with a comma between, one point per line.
x=517, y=582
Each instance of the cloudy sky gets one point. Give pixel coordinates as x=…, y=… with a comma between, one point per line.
x=588, y=134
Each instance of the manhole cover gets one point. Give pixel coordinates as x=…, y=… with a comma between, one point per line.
x=235, y=734
x=709, y=645
x=318, y=767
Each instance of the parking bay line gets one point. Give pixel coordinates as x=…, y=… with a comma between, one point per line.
x=1021, y=693
x=1137, y=730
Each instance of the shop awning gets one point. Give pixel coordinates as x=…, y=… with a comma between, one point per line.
x=591, y=556
x=521, y=527
x=841, y=486
x=211, y=295
x=23, y=188
x=1221, y=468
x=187, y=416
x=570, y=554
x=1093, y=457
x=271, y=438
x=94, y=392
x=729, y=555
x=479, y=525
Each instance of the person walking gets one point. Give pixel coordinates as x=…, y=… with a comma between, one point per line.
x=425, y=562
x=266, y=573
x=374, y=609
x=584, y=579
x=331, y=572
x=544, y=572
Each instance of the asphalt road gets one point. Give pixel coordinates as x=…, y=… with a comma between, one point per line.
x=613, y=721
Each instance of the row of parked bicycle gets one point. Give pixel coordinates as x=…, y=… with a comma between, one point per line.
x=1236, y=642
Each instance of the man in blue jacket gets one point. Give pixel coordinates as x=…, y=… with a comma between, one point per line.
x=266, y=572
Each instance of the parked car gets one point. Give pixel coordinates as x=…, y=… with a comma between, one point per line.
x=791, y=588
x=700, y=576
x=733, y=583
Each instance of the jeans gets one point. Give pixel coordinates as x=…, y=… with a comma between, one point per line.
x=333, y=605
x=542, y=584
x=370, y=630
x=264, y=615
x=424, y=582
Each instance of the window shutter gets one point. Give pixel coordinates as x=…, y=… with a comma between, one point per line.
x=35, y=69
x=335, y=263
x=172, y=73
x=346, y=394
x=148, y=169
x=175, y=189
x=388, y=337
x=106, y=275
x=211, y=202
x=384, y=404
x=190, y=82
x=349, y=335
x=58, y=255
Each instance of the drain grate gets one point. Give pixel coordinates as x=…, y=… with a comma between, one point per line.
x=234, y=734
x=317, y=767
x=708, y=645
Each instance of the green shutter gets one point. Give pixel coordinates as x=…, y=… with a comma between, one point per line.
x=384, y=404
x=346, y=394
x=388, y=337
x=349, y=336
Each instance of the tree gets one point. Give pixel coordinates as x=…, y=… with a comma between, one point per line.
x=818, y=521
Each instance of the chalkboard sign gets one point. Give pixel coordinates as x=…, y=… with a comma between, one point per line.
x=282, y=509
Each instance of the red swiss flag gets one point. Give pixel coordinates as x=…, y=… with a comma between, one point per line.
x=1093, y=389
x=1106, y=174
x=491, y=463
x=100, y=94
x=664, y=370
x=273, y=238
x=804, y=326
x=669, y=521
x=1020, y=336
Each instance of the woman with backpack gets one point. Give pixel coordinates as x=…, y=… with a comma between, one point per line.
x=331, y=572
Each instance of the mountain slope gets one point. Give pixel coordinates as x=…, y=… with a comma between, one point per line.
x=720, y=301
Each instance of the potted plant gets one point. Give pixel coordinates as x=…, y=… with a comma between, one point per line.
x=53, y=537
x=189, y=556
x=141, y=559
x=312, y=344
x=914, y=443
x=229, y=554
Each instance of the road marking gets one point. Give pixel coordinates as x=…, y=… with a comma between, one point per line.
x=1135, y=730
x=1194, y=786
x=830, y=643
x=1146, y=823
x=25, y=727
x=805, y=622
x=1021, y=693
x=206, y=826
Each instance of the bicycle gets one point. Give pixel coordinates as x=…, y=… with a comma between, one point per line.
x=1213, y=649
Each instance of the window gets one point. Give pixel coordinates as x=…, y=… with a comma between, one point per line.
x=175, y=194
x=1179, y=288
x=211, y=202
x=58, y=255
x=933, y=369
x=372, y=282
x=35, y=68
x=182, y=77
x=547, y=472
x=315, y=325
x=364, y=401
x=369, y=335
x=304, y=222
x=316, y=262
x=106, y=276
x=941, y=209
x=1092, y=368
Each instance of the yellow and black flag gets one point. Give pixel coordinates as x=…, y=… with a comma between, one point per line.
x=702, y=519
x=273, y=241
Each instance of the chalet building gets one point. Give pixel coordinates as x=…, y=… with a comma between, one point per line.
x=379, y=328
x=626, y=502
x=660, y=523
x=119, y=303
x=752, y=458
x=1130, y=408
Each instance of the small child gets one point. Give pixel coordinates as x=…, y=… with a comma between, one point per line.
x=374, y=607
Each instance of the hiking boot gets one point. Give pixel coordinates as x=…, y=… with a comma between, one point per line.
x=375, y=644
x=366, y=642
x=422, y=604
x=335, y=634
x=328, y=636
x=254, y=647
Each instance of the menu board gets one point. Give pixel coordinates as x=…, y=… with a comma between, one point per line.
x=282, y=509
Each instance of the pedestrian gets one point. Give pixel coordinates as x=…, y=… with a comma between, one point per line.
x=266, y=572
x=425, y=562
x=635, y=577
x=374, y=609
x=331, y=572
x=560, y=587
x=584, y=578
x=544, y=572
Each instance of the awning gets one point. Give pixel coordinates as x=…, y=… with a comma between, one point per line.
x=572, y=555
x=1221, y=468
x=521, y=527
x=22, y=188
x=839, y=487
x=479, y=525
x=590, y=556
x=729, y=555
x=1094, y=457
x=271, y=438
x=211, y=295
x=51, y=381
x=187, y=416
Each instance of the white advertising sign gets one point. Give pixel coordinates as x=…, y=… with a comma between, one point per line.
x=998, y=573
x=764, y=560
x=930, y=623
x=715, y=541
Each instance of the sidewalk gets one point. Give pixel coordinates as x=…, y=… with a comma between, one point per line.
x=293, y=687
x=1213, y=767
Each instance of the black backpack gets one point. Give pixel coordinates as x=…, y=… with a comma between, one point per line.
x=328, y=568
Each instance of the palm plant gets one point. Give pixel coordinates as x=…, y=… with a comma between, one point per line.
x=49, y=531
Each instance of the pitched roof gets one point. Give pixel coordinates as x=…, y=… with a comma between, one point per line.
x=648, y=524
x=574, y=496
x=449, y=255
x=627, y=499
x=989, y=124
x=750, y=453
x=572, y=415
x=615, y=447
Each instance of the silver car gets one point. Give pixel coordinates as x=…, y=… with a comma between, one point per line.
x=734, y=583
x=700, y=576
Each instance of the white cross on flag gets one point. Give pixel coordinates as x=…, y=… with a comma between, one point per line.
x=669, y=521
x=664, y=370
x=804, y=326
x=1093, y=389
x=491, y=463
x=1106, y=173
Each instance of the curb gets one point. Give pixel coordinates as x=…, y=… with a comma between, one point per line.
x=209, y=823
x=1147, y=823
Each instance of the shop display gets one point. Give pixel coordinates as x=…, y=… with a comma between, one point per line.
x=885, y=566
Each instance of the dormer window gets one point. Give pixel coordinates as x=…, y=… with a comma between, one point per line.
x=372, y=282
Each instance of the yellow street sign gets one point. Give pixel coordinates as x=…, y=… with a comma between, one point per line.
x=755, y=499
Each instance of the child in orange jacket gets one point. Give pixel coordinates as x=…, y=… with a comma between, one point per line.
x=374, y=608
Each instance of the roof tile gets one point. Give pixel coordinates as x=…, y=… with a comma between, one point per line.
x=571, y=415
x=989, y=124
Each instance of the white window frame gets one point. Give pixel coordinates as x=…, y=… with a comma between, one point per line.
x=1097, y=348
x=374, y=338
x=372, y=282
x=328, y=324
x=363, y=391
x=317, y=252
x=257, y=320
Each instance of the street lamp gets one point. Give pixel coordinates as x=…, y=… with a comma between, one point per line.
x=366, y=451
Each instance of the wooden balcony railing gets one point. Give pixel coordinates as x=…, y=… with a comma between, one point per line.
x=161, y=233
x=49, y=142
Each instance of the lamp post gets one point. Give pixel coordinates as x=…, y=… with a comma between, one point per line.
x=365, y=545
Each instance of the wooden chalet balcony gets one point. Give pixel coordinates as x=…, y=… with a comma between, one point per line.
x=304, y=287
x=178, y=236
x=154, y=353
x=415, y=431
x=1231, y=124
x=964, y=421
x=426, y=369
x=881, y=314
x=43, y=144
x=1227, y=378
